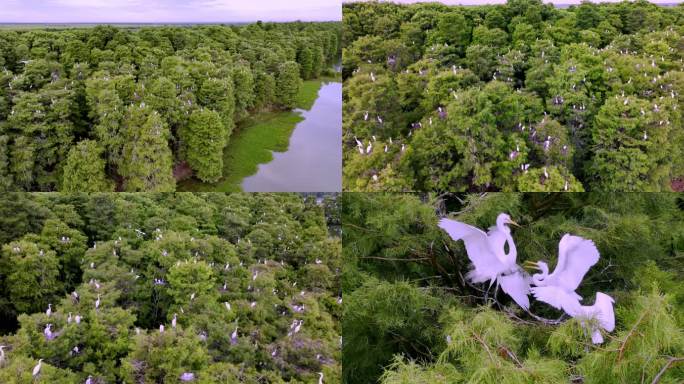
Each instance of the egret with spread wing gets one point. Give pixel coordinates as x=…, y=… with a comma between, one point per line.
x=490, y=260
x=575, y=256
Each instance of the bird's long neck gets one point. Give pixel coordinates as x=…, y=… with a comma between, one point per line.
x=512, y=251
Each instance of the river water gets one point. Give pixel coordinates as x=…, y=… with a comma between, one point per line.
x=313, y=161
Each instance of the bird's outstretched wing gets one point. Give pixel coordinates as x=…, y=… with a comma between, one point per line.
x=487, y=265
x=605, y=314
x=517, y=286
x=558, y=298
x=575, y=256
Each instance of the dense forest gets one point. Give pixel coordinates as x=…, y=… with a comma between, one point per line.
x=410, y=317
x=168, y=288
x=136, y=109
x=515, y=97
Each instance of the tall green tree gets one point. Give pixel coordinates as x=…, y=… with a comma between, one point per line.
x=287, y=84
x=147, y=159
x=84, y=170
x=205, y=138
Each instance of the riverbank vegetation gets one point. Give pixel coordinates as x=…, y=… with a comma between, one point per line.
x=515, y=97
x=410, y=316
x=254, y=142
x=157, y=288
x=106, y=108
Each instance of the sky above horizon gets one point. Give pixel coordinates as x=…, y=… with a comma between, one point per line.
x=167, y=11
x=477, y=2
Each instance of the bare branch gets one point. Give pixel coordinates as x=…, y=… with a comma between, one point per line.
x=631, y=332
x=670, y=362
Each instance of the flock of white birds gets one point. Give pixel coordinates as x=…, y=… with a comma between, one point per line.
x=491, y=262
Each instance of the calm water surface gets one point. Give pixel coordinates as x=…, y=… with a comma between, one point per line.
x=313, y=161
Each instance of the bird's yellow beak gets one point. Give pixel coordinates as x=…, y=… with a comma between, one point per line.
x=513, y=223
x=530, y=265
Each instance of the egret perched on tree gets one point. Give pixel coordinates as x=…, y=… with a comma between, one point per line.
x=49, y=310
x=48, y=331
x=490, y=261
x=234, y=336
x=2, y=355
x=174, y=320
x=320, y=378
x=36, y=369
x=97, y=302
x=575, y=256
x=187, y=376
x=89, y=380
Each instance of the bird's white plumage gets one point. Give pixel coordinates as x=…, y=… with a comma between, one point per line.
x=490, y=261
x=603, y=308
x=486, y=264
x=36, y=369
x=575, y=256
x=517, y=285
x=556, y=297
x=601, y=311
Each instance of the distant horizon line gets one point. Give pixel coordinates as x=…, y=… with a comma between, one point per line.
x=166, y=22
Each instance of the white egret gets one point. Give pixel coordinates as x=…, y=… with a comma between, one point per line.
x=174, y=321
x=36, y=369
x=48, y=331
x=320, y=377
x=77, y=319
x=161, y=328
x=227, y=304
x=89, y=380
x=575, y=256
x=49, y=310
x=490, y=261
x=187, y=376
x=97, y=302
x=234, y=336
x=2, y=354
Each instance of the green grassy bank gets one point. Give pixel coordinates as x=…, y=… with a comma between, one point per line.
x=253, y=142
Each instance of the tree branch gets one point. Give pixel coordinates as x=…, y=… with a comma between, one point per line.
x=670, y=362
x=393, y=259
x=621, y=351
x=479, y=339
